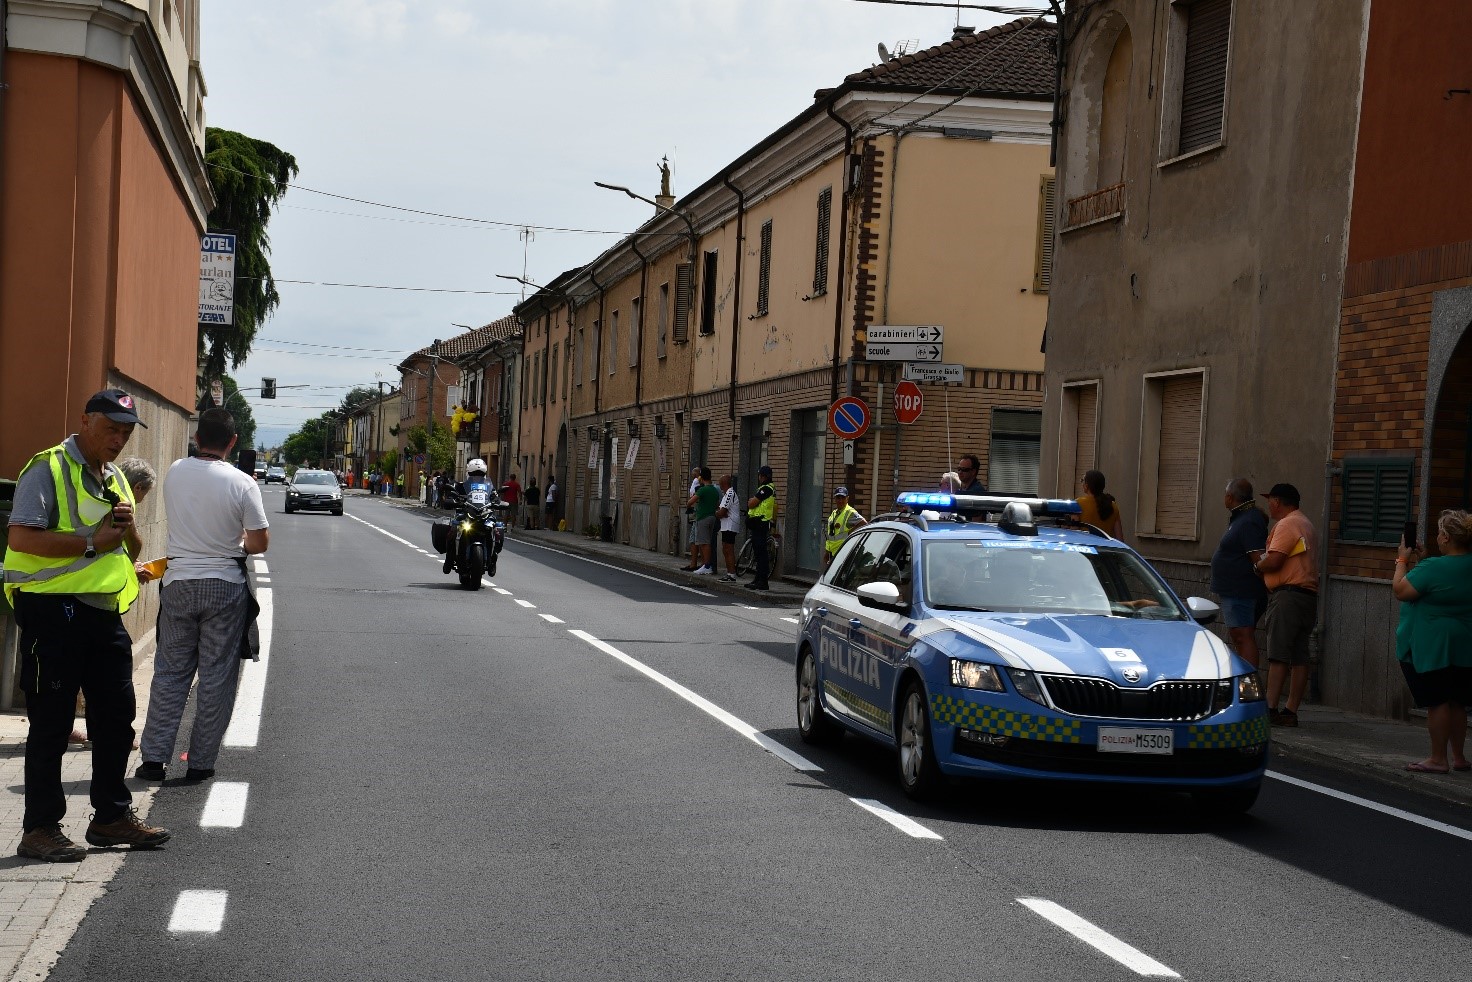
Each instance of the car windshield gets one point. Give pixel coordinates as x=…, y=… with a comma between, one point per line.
x=1039, y=576
x=319, y=477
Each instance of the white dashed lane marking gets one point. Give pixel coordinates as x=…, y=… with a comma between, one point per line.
x=904, y=823
x=199, y=911
x=225, y=807
x=1096, y=937
x=504, y=593
x=526, y=603
x=791, y=620
x=551, y=620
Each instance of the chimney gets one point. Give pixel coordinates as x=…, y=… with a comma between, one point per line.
x=961, y=32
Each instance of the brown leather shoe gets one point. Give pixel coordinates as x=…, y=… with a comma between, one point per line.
x=50, y=845
x=126, y=830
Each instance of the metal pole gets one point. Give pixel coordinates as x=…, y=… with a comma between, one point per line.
x=378, y=439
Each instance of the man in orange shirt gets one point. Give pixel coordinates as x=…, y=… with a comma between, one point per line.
x=1289, y=568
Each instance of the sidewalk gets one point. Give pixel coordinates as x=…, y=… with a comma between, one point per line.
x=1365, y=746
x=42, y=904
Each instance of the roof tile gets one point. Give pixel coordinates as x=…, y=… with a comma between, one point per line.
x=1012, y=59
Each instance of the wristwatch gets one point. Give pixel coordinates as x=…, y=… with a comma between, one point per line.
x=91, y=551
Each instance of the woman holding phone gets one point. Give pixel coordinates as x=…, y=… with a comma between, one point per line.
x=1433, y=640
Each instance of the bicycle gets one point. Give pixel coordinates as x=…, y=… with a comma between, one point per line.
x=746, y=558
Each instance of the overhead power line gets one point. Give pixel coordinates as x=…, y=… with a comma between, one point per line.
x=410, y=289
x=989, y=8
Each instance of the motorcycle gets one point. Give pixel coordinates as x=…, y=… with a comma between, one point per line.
x=473, y=540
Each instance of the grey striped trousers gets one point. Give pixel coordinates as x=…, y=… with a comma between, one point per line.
x=199, y=626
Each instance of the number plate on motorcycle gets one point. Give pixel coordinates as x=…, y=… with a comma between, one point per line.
x=1131, y=740
x=477, y=497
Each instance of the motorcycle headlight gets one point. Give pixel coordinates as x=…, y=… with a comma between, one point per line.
x=975, y=675
x=1249, y=688
x=466, y=526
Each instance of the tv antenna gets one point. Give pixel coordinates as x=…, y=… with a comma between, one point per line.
x=526, y=235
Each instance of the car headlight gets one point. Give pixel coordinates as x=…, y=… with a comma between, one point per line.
x=1249, y=688
x=975, y=675
x=1026, y=684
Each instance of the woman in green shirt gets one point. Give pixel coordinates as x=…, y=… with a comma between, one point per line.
x=1433, y=640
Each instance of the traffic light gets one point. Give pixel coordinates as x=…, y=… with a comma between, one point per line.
x=268, y=388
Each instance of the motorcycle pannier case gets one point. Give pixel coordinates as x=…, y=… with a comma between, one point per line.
x=439, y=534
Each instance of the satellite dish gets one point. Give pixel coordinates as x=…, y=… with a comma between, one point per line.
x=883, y=53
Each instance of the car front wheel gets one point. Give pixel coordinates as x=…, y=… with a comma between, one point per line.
x=814, y=725
x=920, y=775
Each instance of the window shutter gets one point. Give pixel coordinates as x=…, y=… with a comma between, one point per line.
x=1012, y=465
x=663, y=322
x=613, y=343
x=684, y=287
x=636, y=328
x=1376, y=500
x=1180, y=452
x=1087, y=419
x=764, y=274
x=1204, y=75
x=1042, y=277
x=820, y=260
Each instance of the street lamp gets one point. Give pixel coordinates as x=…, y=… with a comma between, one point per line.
x=694, y=236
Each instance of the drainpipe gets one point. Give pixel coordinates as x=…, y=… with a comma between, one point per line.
x=598, y=351
x=1062, y=43
x=736, y=291
x=848, y=142
x=643, y=302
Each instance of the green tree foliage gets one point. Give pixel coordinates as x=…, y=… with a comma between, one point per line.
x=442, y=450
x=245, y=420
x=305, y=445
x=417, y=439
x=249, y=176
x=389, y=461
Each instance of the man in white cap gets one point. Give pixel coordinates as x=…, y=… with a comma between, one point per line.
x=841, y=522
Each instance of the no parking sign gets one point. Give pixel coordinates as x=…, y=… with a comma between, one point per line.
x=849, y=418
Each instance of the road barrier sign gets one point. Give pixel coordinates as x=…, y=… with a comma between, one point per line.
x=849, y=418
x=908, y=402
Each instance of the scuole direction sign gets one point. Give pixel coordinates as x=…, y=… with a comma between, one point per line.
x=217, y=278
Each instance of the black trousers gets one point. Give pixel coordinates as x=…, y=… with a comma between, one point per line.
x=65, y=646
x=759, y=530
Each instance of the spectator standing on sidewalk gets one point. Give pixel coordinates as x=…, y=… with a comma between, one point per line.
x=761, y=511
x=728, y=514
x=550, y=508
x=968, y=468
x=1434, y=638
x=1243, y=595
x=423, y=488
x=533, y=497
x=1099, y=508
x=69, y=576
x=1289, y=568
x=705, y=501
x=216, y=519
x=511, y=494
x=694, y=562
x=399, y=483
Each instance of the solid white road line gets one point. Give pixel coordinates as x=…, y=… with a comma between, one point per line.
x=643, y=576
x=792, y=620
x=250, y=698
x=745, y=606
x=384, y=531
x=526, y=603
x=797, y=761
x=1130, y=957
x=199, y=910
x=904, y=823
x=551, y=620
x=1375, y=806
x=225, y=807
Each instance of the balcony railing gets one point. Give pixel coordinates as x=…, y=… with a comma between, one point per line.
x=1096, y=206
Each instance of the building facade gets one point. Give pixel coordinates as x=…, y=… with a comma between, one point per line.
x=490, y=376
x=721, y=331
x=1259, y=250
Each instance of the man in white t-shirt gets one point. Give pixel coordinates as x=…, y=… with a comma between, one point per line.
x=729, y=514
x=215, y=520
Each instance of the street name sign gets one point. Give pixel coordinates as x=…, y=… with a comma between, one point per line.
x=902, y=351
x=933, y=372
x=849, y=418
x=217, y=279
x=933, y=333
x=908, y=402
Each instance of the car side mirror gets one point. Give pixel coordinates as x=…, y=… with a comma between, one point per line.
x=882, y=594
x=1203, y=611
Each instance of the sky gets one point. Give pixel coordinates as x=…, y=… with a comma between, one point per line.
x=493, y=115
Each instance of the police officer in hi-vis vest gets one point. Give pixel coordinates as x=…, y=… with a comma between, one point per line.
x=69, y=575
x=842, y=520
x=761, y=509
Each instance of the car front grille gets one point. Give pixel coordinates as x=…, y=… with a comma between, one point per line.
x=1102, y=699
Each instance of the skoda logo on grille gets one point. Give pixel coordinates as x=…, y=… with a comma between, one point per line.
x=1131, y=675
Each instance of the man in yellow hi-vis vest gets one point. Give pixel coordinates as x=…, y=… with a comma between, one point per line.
x=69, y=575
x=841, y=521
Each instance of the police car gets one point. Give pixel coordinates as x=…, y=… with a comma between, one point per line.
x=1027, y=647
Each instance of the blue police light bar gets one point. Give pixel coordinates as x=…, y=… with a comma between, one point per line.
x=941, y=501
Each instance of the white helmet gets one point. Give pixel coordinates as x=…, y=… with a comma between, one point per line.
x=476, y=466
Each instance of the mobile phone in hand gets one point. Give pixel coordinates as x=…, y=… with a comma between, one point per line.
x=1408, y=535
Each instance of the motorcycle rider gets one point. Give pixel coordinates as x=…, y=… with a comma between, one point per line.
x=476, y=479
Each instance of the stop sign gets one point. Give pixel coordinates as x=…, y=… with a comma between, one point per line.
x=907, y=402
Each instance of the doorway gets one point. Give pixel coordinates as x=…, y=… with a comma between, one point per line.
x=804, y=528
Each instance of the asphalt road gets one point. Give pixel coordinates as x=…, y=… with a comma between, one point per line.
x=596, y=774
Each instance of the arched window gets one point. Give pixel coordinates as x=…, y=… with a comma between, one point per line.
x=1097, y=127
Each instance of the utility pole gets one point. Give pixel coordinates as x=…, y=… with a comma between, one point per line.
x=434, y=369
x=378, y=440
